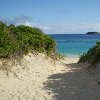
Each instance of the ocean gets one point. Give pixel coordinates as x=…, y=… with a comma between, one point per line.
x=74, y=44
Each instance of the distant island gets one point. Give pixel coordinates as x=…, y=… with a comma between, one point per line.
x=92, y=33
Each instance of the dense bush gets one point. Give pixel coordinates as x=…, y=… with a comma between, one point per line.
x=92, y=56
x=19, y=40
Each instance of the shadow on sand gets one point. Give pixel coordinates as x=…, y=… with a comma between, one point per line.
x=73, y=85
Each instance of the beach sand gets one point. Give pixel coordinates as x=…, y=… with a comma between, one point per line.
x=37, y=77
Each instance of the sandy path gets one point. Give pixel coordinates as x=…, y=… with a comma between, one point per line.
x=74, y=84
x=26, y=80
x=38, y=78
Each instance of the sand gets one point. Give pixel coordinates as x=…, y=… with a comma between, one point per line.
x=37, y=77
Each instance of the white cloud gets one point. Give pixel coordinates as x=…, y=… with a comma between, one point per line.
x=21, y=20
x=72, y=28
x=97, y=27
x=26, y=23
x=54, y=28
x=43, y=27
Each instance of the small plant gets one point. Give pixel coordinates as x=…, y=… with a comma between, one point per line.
x=60, y=56
x=92, y=56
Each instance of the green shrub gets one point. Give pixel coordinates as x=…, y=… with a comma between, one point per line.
x=22, y=39
x=7, y=44
x=92, y=56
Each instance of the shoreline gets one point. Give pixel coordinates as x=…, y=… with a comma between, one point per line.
x=72, y=56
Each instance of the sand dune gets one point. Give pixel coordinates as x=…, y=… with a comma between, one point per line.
x=40, y=78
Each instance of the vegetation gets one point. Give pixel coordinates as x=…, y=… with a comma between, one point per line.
x=92, y=56
x=60, y=56
x=20, y=40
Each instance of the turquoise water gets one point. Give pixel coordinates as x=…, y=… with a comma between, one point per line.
x=74, y=44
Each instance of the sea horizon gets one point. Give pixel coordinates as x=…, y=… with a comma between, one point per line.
x=74, y=45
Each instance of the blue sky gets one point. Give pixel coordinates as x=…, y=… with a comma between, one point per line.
x=53, y=16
